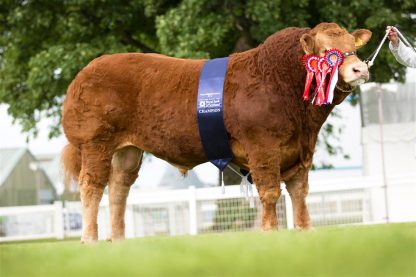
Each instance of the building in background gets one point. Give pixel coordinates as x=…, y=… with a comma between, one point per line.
x=389, y=126
x=389, y=147
x=22, y=180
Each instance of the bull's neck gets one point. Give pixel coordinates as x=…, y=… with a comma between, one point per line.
x=316, y=116
x=280, y=70
x=287, y=78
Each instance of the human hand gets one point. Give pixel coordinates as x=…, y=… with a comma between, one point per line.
x=393, y=37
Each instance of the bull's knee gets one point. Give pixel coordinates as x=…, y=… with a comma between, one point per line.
x=298, y=192
x=268, y=198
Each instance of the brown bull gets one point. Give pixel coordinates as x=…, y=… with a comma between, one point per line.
x=123, y=104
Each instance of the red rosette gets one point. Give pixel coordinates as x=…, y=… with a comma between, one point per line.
x=334, y=57
x=304, y=59
x=323, y=66
x=323, y=70
x=312, y=64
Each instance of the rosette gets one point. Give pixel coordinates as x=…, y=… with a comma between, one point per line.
x=334, y=58
x=310, y=63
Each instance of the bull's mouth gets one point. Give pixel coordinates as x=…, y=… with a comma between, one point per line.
x=358, y=82
x=350, y=86
x=344, y=87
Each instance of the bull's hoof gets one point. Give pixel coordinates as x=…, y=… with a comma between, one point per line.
x=88, y=241
x=269, y=228
x=116, y=239
x=304, y=228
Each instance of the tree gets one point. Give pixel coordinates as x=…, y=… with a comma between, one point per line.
x=210, y=28
x=44, y=43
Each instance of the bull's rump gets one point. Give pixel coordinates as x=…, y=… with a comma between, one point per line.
x=148, y=100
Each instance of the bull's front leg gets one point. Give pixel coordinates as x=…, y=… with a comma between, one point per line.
x=298, y=187
x=265, y=168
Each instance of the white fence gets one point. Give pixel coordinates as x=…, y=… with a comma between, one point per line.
x=32, y=222
x=194, y=211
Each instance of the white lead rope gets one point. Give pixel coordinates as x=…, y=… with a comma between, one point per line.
x=235, y=171
x=246, y=188
x=403, y=38
x=371, y=62
x=222, y=182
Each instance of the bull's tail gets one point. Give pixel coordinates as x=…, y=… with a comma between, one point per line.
x=71, y=159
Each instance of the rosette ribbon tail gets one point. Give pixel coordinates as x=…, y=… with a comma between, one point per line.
x=308, y=82
x=331, y=85
x=334, y=58
x=318, y=94
x=321, y=90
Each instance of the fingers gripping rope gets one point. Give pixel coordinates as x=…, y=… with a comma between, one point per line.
x=370, y=60
x=405, y=40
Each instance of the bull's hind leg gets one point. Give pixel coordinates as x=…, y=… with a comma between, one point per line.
x=95, y=170
x=265, y=169
x=125, y=166
x=298, y=190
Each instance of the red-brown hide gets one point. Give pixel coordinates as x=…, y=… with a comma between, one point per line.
x=149, y=101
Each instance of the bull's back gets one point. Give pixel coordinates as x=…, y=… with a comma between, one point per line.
x=148, y=98
x=167, y=120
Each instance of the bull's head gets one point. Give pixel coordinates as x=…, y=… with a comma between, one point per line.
x=326, y=36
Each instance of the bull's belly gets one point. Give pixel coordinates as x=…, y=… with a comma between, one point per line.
x=290, y=155
x=175, y=142
x=179, y=154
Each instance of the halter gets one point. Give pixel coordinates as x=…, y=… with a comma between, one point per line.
x=345, y=90
x=347, y=54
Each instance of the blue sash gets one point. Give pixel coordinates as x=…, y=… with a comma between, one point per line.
x=210, y=113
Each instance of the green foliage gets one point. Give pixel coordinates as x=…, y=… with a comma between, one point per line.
x=196, y=29
x=377, y=250
x=44, y=43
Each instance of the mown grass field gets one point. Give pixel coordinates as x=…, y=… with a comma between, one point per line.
x=378, y=250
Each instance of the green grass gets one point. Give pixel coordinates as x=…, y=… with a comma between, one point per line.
x=378, y=250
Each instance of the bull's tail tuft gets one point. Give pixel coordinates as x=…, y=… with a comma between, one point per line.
x=71, y=160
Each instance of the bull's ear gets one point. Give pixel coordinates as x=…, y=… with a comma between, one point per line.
x=307, y=43
x=362, y=36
